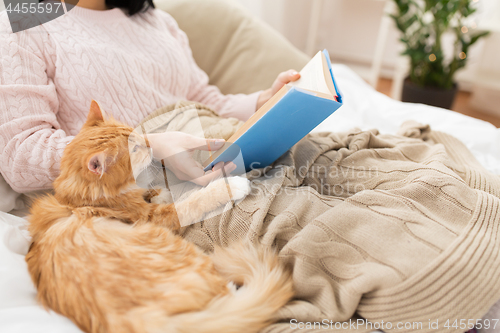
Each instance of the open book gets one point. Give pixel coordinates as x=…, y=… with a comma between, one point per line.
x=285, y=119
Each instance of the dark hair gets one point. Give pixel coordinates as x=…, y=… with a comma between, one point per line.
x=133, y=6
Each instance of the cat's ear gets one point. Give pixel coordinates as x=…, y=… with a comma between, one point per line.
x=99, y=163
x=95, y=114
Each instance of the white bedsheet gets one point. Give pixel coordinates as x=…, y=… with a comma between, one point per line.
x=363, y=107
x=366, y=108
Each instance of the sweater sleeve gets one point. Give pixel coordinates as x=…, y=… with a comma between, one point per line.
x=240, y=106
x=31, y=139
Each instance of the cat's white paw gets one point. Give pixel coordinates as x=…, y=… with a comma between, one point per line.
x=240, y=187
x=164, y=197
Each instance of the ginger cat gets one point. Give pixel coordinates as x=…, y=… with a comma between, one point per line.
x=112, y=262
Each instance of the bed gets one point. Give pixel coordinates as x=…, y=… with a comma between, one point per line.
x=241, y=47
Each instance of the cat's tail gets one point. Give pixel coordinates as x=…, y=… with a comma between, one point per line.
x=266, y=287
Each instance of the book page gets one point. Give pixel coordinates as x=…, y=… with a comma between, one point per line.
x=312, y=76
x=328, y=77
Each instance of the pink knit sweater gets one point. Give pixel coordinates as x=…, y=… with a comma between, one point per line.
x=50, y=73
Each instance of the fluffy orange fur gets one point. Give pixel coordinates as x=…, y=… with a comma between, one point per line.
x=112, y=262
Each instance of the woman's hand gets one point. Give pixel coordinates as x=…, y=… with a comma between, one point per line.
x=282, y=79
x=176, y=149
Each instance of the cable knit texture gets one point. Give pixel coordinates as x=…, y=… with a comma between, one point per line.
x=50, y=73
x=394, y=228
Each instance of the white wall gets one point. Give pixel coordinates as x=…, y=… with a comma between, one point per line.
x=349, y=28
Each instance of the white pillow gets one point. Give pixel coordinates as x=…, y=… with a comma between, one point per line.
x=10, y=199
x=240, y=53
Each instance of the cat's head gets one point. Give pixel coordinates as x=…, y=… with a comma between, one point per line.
x=100, y=160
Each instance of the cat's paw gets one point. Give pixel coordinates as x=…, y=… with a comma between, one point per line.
x=240, y=187
x=164, y=197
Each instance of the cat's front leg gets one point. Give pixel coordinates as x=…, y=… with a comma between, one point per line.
x=163, y=196
x=216, y=194
x=164, y=215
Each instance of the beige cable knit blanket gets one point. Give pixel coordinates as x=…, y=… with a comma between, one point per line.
x=401, y=229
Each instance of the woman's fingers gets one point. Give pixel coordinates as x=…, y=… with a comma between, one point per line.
x=214, y=144
x=218, y=166
x=221, y=171
x=288, y=76
x=284, y=78
x=195, y=143
x=196, y=175
x=175, y=150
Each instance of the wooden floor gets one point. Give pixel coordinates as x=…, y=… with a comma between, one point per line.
x=461, y=104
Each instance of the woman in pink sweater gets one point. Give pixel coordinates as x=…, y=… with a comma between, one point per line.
x=131, y=58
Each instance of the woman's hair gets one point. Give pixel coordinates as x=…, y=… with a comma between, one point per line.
x=133, y=6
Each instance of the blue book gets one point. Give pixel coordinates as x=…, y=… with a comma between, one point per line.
x=286, y=118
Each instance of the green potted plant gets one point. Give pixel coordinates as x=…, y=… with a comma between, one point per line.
x=422, y=24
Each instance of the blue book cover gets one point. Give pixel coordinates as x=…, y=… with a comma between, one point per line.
x=285, y=119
